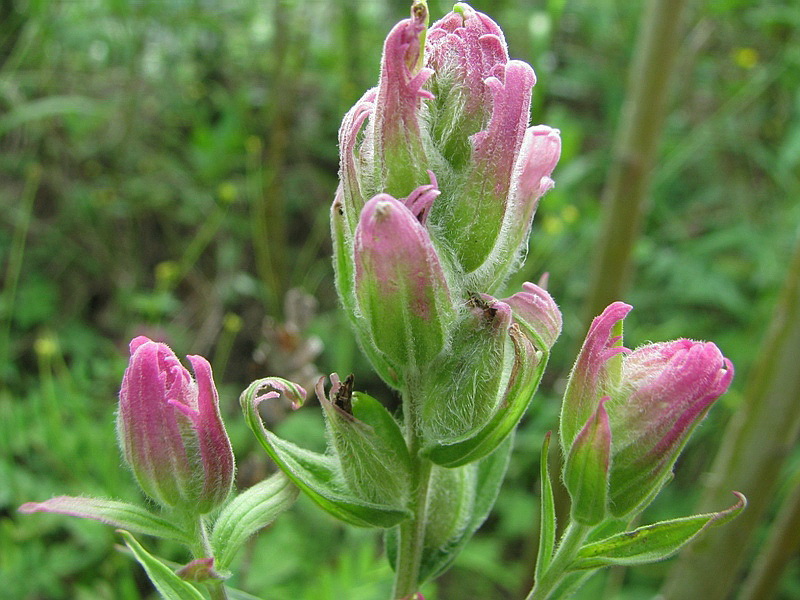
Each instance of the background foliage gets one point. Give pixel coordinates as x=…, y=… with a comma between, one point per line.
x=166, y=167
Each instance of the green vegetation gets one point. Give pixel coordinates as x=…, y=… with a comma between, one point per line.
x=167, y=168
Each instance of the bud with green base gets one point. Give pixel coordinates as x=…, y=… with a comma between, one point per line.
x=173, y=438
x=624, y=420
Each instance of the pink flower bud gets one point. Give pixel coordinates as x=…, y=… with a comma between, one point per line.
x=170, y=430
x=538, y=156
x=471, y=45
x=471, y=69
x=400, y=156
x=667, y=389
x=657, y=396
x=400, y=285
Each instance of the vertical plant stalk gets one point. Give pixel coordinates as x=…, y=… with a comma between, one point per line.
x=411, y=532
x=754, y=448
x=14, y=266
x=781, y=545
x=641, y=123
x=269, y=205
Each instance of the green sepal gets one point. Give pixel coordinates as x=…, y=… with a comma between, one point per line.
x=246, y=513
x=464, y=387
x=547, y=514
x=586, y=469
x=165, y=580
x=372, y=452
x=318, y=475
x=111, y=512
x=524, y=379
x=484, y=478
x=344, y=272
x=651, y=543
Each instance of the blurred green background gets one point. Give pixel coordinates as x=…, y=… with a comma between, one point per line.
x=167, y=166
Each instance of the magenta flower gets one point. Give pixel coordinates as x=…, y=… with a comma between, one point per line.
x=656, y=396
x=170, y=430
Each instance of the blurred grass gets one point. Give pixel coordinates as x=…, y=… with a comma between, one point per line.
x=167, y=166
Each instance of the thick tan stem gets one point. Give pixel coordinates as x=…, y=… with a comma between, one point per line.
x=754, y=448
x=636, y=145
x=781, y=545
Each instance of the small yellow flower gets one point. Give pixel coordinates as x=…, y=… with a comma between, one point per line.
x=747, y=58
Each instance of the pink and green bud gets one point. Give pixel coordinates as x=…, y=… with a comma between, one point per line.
x=657, y=395
x=401, y=289
x=170, y=429
x=465, y=48
x=539, y=155
x=355, y=177
x=596, y=369
x=480, y=119
x=400, y=157
x=668, y=389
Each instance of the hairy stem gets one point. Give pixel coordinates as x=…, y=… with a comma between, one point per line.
x=571, y=541
x=201, y=548
x=411, y=533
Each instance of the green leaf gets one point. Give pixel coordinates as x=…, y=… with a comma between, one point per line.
x=651, y=542
x=245, y=514
x=111, y=512
x=168, y=584
x=547, y=514
x=43, y=108
x=318, y=475
x=524, y=380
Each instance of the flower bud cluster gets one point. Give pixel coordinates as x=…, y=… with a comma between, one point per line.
x=440, y=177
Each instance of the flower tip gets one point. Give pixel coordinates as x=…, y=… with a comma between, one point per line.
x=419, y=11
x=543, y=281
x=614, y=312
x=137, y=342
x=727, y=375
x=31, y=507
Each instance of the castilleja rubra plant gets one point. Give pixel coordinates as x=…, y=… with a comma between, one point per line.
x=173, y=439
x=440, y=177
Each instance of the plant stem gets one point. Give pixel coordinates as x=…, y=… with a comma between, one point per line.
x=778, y=549
x=14, y=266
x=411, y=533
x=571, y=541
x=202, y=549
